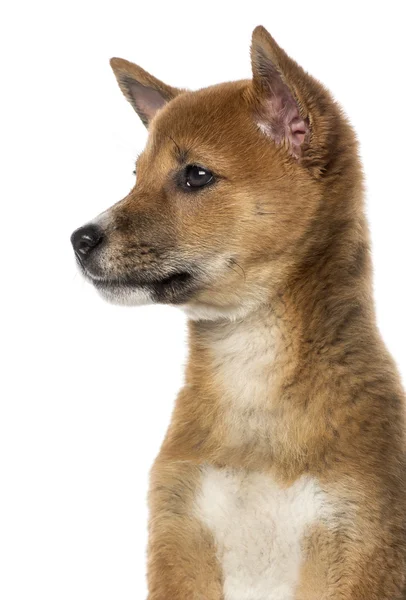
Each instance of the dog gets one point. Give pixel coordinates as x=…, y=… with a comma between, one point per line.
x=282, y=474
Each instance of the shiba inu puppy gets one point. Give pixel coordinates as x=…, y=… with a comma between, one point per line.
x=282, y=474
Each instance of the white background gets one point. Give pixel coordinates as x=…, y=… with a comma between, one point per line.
x=87, y=388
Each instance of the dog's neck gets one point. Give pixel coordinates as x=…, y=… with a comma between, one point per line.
x=244, y=359
x=319, y=310
x=249, y=395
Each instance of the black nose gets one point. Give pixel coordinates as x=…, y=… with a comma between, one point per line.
x=85, y=239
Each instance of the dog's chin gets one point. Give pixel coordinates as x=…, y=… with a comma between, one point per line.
x=125, y=295
x=174, y=289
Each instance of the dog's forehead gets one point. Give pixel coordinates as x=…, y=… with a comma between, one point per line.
x=209, y=116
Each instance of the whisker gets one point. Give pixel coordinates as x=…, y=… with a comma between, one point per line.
x=234, y=262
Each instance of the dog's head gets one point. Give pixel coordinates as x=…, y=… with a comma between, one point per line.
x=227, y=189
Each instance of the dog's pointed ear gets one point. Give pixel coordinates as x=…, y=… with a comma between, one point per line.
x=145, y=93
x=279, y=111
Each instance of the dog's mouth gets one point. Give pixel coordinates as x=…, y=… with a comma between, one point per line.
x=173, y=288
x=179, y=279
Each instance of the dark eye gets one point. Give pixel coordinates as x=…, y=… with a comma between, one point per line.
x=135, y=172
x=197, y=177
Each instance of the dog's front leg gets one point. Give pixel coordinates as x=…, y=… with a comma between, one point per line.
x=182, y=564
x=367, y=569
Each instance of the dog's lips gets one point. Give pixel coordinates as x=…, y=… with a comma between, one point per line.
x=176, y=278
x=166, y=288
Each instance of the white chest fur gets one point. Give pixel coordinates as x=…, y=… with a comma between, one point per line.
x=258, y=528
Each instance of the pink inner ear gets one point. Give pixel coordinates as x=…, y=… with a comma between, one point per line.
x=280, y=119
x=279, y=114
x=147, y=100
x=298, y=130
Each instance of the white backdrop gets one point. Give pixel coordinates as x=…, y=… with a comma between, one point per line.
x=87, y=388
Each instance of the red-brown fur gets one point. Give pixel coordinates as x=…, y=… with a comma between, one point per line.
x=292, y=219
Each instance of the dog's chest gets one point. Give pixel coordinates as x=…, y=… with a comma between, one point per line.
x=258, y=528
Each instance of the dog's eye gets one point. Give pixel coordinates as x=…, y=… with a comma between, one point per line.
x=135, y=172
x=197, y=177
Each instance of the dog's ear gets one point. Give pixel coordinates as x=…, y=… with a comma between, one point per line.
x=279, y=111
x=145, y=93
